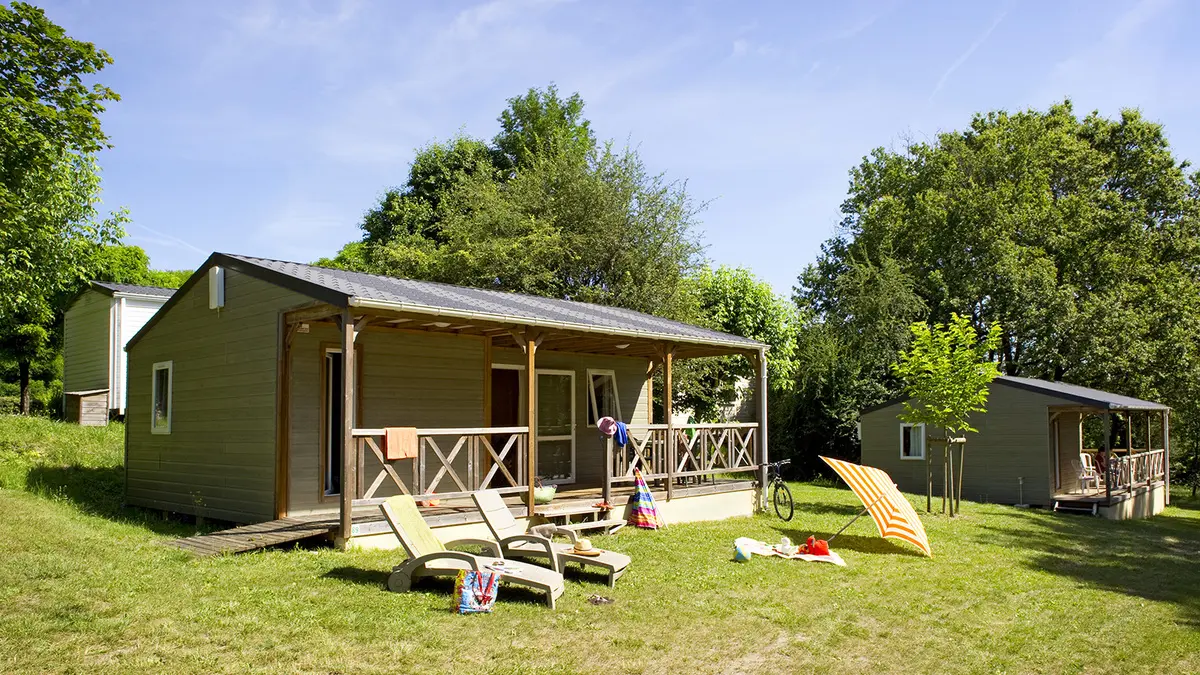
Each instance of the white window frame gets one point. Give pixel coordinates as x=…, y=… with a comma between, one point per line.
x=594, y=409
x=168, y=366
x=906, y=425
x=574, y=467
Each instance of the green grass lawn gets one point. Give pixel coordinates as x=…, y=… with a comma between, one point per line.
x=85, y=586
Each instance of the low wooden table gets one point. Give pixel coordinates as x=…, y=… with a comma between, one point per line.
x=594, y=518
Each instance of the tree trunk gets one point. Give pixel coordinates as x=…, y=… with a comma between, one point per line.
x=950, y=476
x=962, y=460
x=928, y=480
x=945, y=480
x=26, y=395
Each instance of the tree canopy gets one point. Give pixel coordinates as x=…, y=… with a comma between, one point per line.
x=543, y=209
x=1080, y=236
x=733, y=300
x=49, y=187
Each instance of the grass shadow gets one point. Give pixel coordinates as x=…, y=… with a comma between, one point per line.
x=850, y=542
x=824, y=508
x=100, y=491
x=1152, y=559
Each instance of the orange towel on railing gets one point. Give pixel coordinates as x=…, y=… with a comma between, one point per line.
x=399, y=443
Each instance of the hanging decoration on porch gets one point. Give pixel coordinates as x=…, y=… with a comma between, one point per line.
x=644, y=513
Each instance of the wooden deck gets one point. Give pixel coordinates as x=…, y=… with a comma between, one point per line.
x=258, y=535
x=1092, y=500
x=569, y=503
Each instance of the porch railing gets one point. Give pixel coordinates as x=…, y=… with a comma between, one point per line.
x=450, y=463
x=673, y=452
x=1140, y=468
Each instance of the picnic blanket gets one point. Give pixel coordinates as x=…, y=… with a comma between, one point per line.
x=747, y=546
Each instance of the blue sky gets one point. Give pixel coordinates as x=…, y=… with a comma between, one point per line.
x=268, y=127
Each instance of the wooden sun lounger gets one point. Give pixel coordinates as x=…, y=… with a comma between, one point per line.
x=428, y=556
x=517, y=543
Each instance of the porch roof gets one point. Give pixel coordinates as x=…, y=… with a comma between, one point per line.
x=1083, y=396
x=371, y=293
x=1086, y=396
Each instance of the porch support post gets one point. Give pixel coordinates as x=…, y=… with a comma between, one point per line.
x=761, y=366
x=668, y=393
x=349, y=459
x=650, y=368
x=531, y=417
x=606, y=490
x=1106, y=433
x=1166, y=434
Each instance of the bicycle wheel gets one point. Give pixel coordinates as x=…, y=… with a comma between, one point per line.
x=781, y=496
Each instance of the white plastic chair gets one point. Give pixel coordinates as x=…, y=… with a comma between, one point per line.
x=1087, y=472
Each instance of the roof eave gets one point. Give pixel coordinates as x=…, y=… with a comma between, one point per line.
x=367, y=303
x=141, y=296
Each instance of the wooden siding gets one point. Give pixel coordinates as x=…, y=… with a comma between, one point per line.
x=631, y=390
x=89, y=410
x=1014, y=441
x=219, y=459
x=86, y=341
x=408, y=379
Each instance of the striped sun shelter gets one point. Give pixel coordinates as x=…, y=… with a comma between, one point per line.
x=892, y=513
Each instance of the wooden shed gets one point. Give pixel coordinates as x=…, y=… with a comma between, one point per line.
x=263, y=389
x=1034, y=445
x=87, y=408
x=96, y=326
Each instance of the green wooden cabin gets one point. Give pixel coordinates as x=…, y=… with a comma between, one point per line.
x=262, y=389
x=1029, y=446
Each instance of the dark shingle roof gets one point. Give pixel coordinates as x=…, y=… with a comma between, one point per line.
x=435, y=298
x=1071, y=392
x=150, y=291
x=1084, y=395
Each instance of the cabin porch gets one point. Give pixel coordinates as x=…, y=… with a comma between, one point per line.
x=1113, y=463
x=527, y=399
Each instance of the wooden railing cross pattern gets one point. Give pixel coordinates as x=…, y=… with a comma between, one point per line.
x=718, y=451
x=498, y=462
x=687, y=445
x=387, y=470
x=447, y=461
x=745, y=443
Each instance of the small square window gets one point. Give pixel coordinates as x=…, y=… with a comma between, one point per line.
x=602, y=396
x=160, y=413
x=912, y=441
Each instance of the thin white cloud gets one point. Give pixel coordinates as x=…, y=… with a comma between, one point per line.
x=967, y=54
x=1129, y=63
x=162, y=238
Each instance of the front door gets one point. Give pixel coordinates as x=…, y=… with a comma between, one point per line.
x=556, y=426
x=332, y=424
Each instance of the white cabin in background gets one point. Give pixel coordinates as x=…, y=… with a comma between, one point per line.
x=96, y=327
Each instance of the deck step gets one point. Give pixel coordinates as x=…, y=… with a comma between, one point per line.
x=1076, y=507
x=256, y=536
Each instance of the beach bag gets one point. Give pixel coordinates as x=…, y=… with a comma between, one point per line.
x=475, y=592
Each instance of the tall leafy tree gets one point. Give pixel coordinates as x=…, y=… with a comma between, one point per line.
x=733, y=300
x=1079, y=235
x=856, y=323
x=49, y=133
x=543, y=209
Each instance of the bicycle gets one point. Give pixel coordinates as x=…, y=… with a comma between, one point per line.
x=781, y=496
